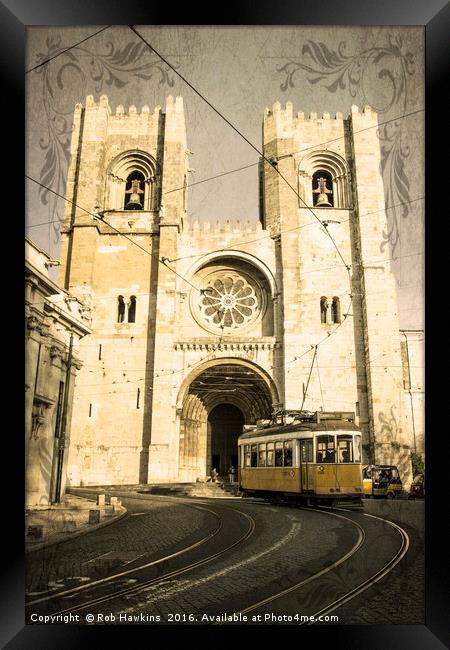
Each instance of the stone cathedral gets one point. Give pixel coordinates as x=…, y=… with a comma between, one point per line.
x=198, y=330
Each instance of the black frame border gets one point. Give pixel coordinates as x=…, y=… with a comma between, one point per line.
x=434, y=15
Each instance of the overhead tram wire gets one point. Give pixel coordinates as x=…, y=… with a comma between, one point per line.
x=306, y=225
x=260, y=153
x=162, y=261
x=273, y=166
x=293, y=153
x=51, y=58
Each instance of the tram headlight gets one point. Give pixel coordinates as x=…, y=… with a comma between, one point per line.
x=320, y=469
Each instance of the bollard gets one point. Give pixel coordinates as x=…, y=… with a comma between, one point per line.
x=35, y=532
x=109, y=511
x=94, y=516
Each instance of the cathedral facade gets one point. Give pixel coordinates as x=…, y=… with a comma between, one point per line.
x=200, y=329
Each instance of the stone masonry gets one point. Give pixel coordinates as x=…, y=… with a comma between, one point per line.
x=226, y=313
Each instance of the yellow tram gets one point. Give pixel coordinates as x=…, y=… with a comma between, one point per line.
x=311, y=458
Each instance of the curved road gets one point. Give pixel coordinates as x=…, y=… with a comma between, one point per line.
x=196, y=561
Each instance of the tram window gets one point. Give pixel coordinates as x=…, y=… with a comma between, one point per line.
x=262, y=454
x=345, y=449
x=357, y=449
x=307, y=450
x=278, y=454
x=254, y=456
x=270, y=454
x=247, y=456
x=325, y=449
x=288, y=453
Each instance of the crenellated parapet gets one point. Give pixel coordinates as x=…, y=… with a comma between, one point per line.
x=220, y=227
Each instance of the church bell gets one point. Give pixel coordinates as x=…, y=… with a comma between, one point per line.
x=134, y=203
x=322, y=202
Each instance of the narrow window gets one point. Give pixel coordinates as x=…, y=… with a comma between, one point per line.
x=322, y=189
x=254, y=456
x=132, y=310
x=262, y=454
x=270, y=454
x=288, y=453
x=134, y=192
x=247, y=455
x=323, y=309
x=278, y=454
x=120, y=309
x=336, y=310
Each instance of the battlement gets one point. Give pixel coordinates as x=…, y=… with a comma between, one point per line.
x=207, y=227
x=172, y=106
x=281, y=122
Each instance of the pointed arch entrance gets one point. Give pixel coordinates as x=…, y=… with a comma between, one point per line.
x=215, y=401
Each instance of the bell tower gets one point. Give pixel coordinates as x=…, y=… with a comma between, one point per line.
x=125, y=211
x=324, y=206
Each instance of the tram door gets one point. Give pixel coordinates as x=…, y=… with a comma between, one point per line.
x=306, y=457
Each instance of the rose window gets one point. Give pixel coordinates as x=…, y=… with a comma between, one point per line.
x=229, y=300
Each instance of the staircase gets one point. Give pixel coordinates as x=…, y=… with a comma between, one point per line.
x=208, y=490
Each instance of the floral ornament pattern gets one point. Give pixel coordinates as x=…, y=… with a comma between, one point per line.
x=229, y=301
x=65, y=84
x=337, y=70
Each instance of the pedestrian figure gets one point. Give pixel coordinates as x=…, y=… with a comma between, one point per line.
x=214, y=475
x=231, y=474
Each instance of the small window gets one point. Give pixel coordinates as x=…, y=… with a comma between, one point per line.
x=278, y=454
x=325, y=449
x=262, y=454
x=120, y=309
x=288, y=453
x=357, y=449
x=270, y=454
x=247, y=456
x=345, y=449
x=132, y=310
x=336, y=310
x=323, y=309
x=254, y=456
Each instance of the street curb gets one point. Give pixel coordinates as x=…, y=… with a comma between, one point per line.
x=82, y=531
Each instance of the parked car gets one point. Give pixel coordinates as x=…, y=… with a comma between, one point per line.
x=417, y=489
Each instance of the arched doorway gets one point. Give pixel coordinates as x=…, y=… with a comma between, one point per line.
x=215, y=401
x=225, y=422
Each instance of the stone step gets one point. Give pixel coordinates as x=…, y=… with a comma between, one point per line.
x=193, y=489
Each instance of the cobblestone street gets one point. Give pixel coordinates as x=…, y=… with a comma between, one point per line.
x=199, y=558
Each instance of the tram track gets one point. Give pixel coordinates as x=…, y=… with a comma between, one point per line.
x=301, y=590
x=352, y=593
x=134, y=589
x=369, y=582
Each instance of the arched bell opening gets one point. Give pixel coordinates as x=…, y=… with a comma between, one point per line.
x=216, y=404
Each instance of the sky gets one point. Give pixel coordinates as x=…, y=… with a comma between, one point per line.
x=240, y=71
